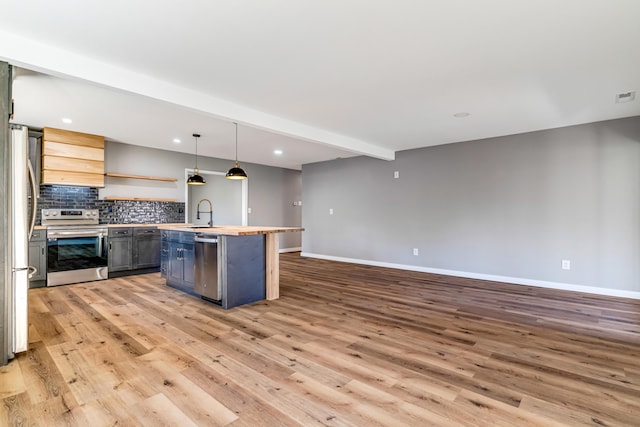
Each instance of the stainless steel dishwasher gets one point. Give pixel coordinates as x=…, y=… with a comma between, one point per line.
x=207, y=284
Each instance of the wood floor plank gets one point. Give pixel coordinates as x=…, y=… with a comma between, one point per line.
x=198, y=405
x=250, y=411
x=159, y=410
x=15, y=410
x=11, y=380
x=42, y=377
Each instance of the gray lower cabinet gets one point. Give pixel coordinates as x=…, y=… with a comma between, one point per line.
x=178, y=260
x=120, y=249
x=134, y=250
x=38, y=258
x=146, y=247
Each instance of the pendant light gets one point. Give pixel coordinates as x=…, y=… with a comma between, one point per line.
x=196, y=178
x=236, y=172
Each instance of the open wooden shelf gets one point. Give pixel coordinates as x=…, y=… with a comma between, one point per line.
x=139, y=199
x=150, y=178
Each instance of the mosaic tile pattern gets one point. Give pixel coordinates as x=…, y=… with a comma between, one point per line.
x=111, y=211
x=139, y=212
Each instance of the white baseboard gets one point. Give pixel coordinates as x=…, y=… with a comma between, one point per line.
x=493, y=278
x=283, y=250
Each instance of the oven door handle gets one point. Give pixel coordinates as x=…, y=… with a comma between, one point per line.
x=75, y=233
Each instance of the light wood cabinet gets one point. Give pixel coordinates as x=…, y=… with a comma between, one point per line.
x=72, y=158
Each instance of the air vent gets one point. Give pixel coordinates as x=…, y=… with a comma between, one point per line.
x=625, y=97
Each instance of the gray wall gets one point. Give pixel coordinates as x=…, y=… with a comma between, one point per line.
x=272, y=191
x=513, y=206
x=275, y=208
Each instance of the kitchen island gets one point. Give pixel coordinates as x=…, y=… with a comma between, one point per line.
x=255, y=246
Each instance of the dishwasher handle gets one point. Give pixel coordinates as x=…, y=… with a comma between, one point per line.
x=206, y=239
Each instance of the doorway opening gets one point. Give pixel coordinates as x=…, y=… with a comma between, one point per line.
x=229, y=198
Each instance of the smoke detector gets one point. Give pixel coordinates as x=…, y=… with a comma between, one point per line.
x=625, y=97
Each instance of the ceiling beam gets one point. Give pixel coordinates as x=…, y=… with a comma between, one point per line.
x=48, y=59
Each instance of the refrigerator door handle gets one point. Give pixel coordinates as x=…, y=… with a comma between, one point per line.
x=32, y=271
x=34, y=198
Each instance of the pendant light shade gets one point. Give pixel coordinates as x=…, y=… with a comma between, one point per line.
x=196, y=178
x=236, y=172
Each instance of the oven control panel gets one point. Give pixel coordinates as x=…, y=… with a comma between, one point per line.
x=70, y=216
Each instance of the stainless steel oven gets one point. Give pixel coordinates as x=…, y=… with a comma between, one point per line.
x=76, y=246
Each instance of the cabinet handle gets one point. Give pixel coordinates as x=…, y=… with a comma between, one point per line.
x=42, y=250
x=109, y=246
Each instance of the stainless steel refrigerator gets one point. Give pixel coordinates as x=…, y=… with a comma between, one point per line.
x=17, y=217
x=21, y=220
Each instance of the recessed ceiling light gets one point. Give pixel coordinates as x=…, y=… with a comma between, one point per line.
x=177, y=140
x=461, y=115
x=278, y=152
x=66, y=120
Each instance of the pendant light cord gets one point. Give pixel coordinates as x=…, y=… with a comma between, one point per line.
x=236, y=142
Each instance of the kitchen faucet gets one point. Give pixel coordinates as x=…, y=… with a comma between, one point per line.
x=210, y=223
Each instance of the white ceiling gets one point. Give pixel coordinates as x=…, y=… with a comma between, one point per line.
x=319, y=79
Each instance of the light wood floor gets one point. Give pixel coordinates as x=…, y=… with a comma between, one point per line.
x=344, y=345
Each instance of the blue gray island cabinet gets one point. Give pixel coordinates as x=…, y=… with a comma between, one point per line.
x=245, y=262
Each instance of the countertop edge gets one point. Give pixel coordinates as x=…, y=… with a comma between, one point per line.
x=232, y=230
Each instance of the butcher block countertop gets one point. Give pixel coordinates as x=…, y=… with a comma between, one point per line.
x=230, y=230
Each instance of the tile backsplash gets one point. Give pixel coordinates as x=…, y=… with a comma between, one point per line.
x=111, y=211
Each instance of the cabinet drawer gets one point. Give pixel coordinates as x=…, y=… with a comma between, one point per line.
x=38, y=236
x=120, y=232
x=146, y=231
x=187, y=237
x=181, y=236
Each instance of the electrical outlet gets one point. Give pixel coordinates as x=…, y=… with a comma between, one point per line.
x=566, y=264
x=396, y=174
x=299, y=202
x=415, y=251
x=248, y=210
x=330, y=211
